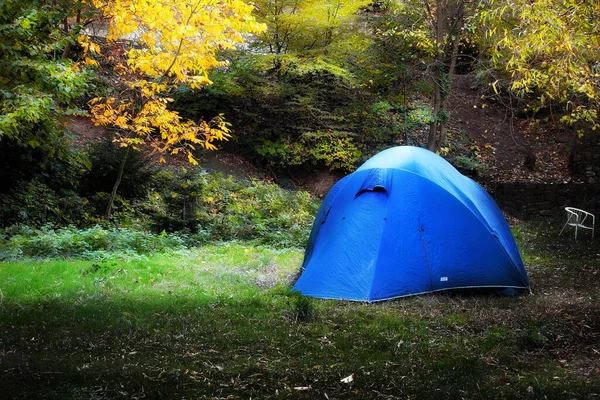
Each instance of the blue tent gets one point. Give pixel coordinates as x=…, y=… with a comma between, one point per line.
x=407, y=222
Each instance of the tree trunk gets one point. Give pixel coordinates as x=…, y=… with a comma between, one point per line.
x=446, y=89
x=69, y=47
x=67, y=50
x=113, y=194
x=448, y=19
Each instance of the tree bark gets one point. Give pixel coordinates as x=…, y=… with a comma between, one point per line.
x=69, y=47
x=113, y=194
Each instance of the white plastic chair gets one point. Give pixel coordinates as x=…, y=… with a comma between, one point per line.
x=579, y=219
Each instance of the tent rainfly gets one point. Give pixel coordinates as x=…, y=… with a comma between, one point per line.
x=405, y=223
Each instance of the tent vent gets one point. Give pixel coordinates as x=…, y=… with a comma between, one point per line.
x=376, y=180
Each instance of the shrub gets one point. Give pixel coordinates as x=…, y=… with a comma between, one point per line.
x=468, y=165
x=255, y=210
x=218, y=208
x=105, y=159
x=92, y=243
x=176, y=199
x=463, y=153
x=193, y=206
x=284, y=112
x=35, y=203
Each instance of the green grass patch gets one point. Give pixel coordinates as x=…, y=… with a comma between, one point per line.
x=209, y=272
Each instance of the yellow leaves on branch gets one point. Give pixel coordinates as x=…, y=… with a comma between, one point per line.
x=155, y=125
x=87, y=45
x=178, y=38
x=551, y=49
x=89, y=49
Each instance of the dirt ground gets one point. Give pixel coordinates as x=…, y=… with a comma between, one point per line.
x=512, y=148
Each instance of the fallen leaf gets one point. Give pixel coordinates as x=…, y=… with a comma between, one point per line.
x=300, y=388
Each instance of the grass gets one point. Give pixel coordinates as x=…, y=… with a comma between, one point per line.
x=220, y=322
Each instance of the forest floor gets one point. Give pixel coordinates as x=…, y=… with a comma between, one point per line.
x=220, y=322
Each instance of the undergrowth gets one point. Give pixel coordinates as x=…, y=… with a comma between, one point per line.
x=219, y=208
x=182, y=208
x=96, y=242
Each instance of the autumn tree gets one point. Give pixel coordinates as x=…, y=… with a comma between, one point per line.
x=167, y=44
x=547, y=53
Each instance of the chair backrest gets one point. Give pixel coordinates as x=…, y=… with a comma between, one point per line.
x=577, y=216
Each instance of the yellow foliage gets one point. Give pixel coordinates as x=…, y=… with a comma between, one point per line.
x=90, y=62
x=176, y=43
x=162, y=129
x=88, y=48
x=300, y=25
x=178, y=38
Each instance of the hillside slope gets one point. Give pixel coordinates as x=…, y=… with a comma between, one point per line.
x=511, y=148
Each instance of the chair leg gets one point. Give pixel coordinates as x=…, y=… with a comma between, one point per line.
x=563, y=228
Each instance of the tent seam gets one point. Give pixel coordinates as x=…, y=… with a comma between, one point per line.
x=387, y=209
x=478, y=214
